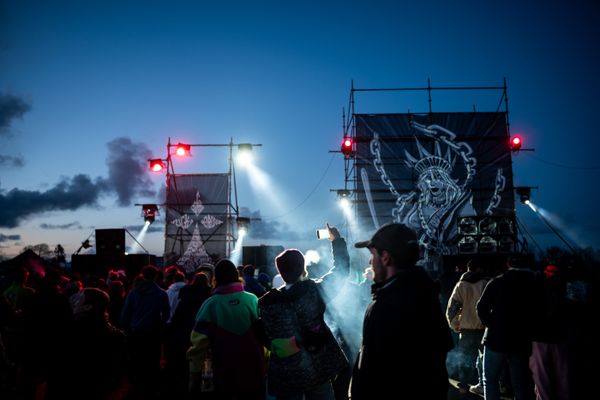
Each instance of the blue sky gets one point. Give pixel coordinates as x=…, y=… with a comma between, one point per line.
x=83, y=74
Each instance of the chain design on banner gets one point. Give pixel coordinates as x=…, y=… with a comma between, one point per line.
x=496, y=198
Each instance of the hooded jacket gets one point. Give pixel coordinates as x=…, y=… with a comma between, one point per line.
x=507, y=309
x=146, y=308
x=461, y=312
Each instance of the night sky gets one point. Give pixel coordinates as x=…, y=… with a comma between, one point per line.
x=90, y=89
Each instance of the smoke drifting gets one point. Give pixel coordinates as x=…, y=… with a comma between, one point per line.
x=11, y=108
x=127, y=169
x=270, y=229
x=71, y=225
x=127, y=178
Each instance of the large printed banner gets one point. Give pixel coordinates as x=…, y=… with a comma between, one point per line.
x=196, y=219
x=434, y=172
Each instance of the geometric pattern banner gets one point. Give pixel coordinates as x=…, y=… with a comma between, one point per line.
x=196, y=219
x=430, y=170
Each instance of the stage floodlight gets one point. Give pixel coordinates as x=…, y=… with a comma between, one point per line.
x=244, y=147
x=347, y=145
x=343, y=193
x=182, y=149
x=156, y=165
x=344, y=198
x=244, y=154
x=149, y=212
x=84, y=245
x=524, y=194
x=515, y=143
x=242, y=224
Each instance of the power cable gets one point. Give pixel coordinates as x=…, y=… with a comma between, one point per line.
x=308, y=196
x=560, y=165
x=522, y=225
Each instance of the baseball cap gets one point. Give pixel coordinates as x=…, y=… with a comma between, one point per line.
x=393, y=237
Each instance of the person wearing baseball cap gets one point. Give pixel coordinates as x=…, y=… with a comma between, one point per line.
x=405, y=334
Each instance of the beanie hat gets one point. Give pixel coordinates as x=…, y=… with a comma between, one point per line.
x=226, y=272
x=290, y=265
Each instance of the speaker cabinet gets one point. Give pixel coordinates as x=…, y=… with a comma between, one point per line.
x=110, y=242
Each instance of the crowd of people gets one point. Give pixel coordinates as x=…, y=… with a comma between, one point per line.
x=228, y=333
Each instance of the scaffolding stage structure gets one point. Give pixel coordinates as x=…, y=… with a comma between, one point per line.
x=448, y=175
x=201, y=211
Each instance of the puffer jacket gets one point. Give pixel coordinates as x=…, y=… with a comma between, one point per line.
x=304, y=352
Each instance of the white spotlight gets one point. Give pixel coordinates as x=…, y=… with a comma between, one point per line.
x=245, y=158
x=244, y=155
x=531, y=205
x=345, y=203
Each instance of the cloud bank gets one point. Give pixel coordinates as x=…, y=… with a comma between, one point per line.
x=127, y=178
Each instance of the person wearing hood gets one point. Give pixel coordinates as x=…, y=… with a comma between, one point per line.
x=461, y=314
x=173, y=291
x=225, y=340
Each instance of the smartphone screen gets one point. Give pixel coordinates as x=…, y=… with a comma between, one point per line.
x=322, y=234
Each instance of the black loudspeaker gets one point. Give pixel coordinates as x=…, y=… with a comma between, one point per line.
x=110, y=242
x=262, y=257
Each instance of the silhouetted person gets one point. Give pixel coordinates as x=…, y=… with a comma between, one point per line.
x=461, y=314
x=225, y=331
x=177, y=342
x=116, y=293
x=251, y=283
x=99, y=355
x=144, y=316
x=48, y=326
x=18, y=293
x=507, y=309
x=550, y=359
x=405, y=335
x=173, y=291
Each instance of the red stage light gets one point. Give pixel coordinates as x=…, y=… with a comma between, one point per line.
x=347, y=146
x=182, y=149
x=515, y=143
x=156, y=165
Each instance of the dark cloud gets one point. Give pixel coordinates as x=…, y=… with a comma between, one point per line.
x=270, y=229
x=127, y=177
x=6, y=238
x=69, y=194
x=11, y=108
x=70, y=225
x=10, y=161
x=128, y=170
